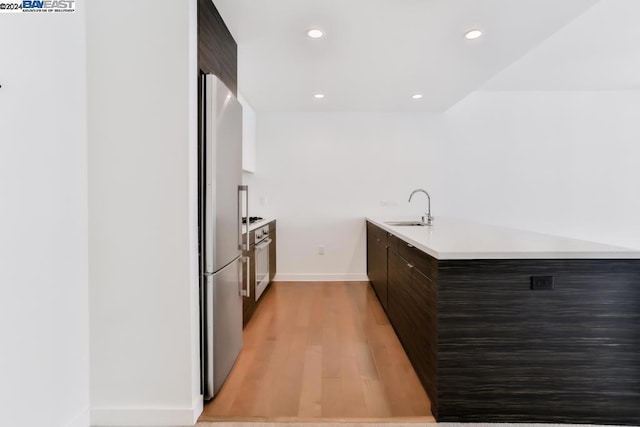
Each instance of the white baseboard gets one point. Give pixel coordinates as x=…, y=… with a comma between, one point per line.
x=82, y=420
x=321, y=277
x=147, y=417
x=198, y=407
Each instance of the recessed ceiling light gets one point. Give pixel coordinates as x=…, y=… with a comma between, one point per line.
x=417, y=96
x=472, y=34
x=314, y=33
x=318, y=95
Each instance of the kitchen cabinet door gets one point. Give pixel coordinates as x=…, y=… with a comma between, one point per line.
x=272, y=251
x=402, y=304
x=380, y=285
x=394, y=291
x=422, y=345
x=377, y=262
x=371, y=238
x=412, y=312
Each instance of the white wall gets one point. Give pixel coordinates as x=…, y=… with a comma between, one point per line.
x=142, y=83
x=564, y=163
x=44, y=352
x=322, y=174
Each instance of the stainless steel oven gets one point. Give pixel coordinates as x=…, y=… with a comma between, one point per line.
x=261, y=250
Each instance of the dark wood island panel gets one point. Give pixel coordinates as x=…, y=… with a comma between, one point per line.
x=568, y=354
x=491, y=342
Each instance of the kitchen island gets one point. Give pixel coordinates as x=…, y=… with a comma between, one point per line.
x=505, y=325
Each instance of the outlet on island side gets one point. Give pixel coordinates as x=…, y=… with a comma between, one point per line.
x=541, y=283
x=321, y=250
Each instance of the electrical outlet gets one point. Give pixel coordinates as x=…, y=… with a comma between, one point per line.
x=541, y=283
x=320, y=250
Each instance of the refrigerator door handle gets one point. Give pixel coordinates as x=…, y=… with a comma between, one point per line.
x=246, y=201
x=245, y=189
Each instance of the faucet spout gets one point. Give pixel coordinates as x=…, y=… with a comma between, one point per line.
x=428, y=219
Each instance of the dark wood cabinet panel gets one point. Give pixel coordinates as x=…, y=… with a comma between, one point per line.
x=422, y=261
x=382, y=236
x=399, y=297
x=377, y=261
x=217, y=50
x=371, y=240
x=424, y=321
x=272, y=251
x=380, y=284
x=392, y=242
x=413, y=314
x=249, y=303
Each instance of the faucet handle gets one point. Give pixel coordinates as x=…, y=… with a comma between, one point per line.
x=427, y=218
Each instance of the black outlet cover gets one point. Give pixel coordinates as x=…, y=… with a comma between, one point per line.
x=541, y=283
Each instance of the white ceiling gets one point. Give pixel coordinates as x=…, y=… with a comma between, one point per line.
x=377, y=53
x=597, y=51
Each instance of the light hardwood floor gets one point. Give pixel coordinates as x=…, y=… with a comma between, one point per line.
x=320, y=351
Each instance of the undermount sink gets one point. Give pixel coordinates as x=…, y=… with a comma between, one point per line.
x=407, y=223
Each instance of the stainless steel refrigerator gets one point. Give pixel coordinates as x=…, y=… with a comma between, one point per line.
x=222, y=197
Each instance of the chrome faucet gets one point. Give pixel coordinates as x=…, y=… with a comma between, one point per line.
x=427, y=219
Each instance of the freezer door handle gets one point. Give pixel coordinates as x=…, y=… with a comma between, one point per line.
x=245, y=292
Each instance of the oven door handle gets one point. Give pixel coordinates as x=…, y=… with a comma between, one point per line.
x=263, y=245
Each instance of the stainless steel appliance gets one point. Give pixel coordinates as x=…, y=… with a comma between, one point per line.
x=252, y=219
x=262, y=243
x=221, y=243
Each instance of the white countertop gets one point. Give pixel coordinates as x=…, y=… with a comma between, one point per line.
x=449, y=239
